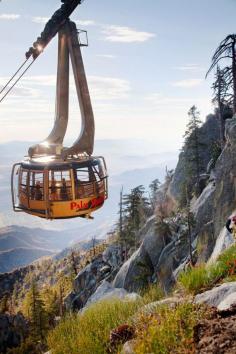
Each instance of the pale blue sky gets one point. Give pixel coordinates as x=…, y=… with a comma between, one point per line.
x=146, y=64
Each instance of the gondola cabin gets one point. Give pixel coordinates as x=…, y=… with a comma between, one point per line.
x=54, y=181
x=59, y=189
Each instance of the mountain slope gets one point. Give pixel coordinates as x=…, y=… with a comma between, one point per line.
x=19, y=257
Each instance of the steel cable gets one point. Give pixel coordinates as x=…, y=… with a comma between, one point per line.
x=8, y=82
x=11, y=87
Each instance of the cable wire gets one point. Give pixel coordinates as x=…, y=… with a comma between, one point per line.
x=11, y=87
x=8, y=82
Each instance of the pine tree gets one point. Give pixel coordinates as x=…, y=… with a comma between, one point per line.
x=136, y=209
x=94, y=242
x=50, y=298
x=219, y=88
x=191, y=148
x=154, y=187
x=121, y=233
x=34, y=310
x=227, y=51
x=4, y=304
x=73, y=263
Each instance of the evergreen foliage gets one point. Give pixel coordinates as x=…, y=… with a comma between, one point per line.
x=226, y=51
x=34, y=310
x=134, y=210
x=216, y=150
x=220, y=92
x=191, y=148
x=4, y=304
x=154, y=188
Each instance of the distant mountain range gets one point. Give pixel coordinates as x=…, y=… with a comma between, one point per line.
x=19, y=257
x=20, y=246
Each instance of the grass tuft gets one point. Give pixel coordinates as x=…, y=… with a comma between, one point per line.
x=89, y=332
x=204, y=276
x=153, y=293
x=168, y=330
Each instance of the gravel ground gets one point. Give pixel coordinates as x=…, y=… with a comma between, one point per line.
x=217, y=334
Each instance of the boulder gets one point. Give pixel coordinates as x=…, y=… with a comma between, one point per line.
x=218, y=296
x=205, y=242
x=153, y=306
x=157, y=256
x=172, y=256
x=153, y=244
x=135, y=272
x=112, y=256
x=228, y=302
x=107, y=291
x=203, y=207
x=224, y=241
x=86, y=282
x=181, y=268
x=148, y=228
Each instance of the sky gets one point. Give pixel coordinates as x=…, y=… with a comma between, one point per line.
x=146, y=65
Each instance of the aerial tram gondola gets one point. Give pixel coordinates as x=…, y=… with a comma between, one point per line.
x=55, y=182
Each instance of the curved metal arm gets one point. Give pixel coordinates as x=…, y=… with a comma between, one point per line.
x=85, y=141
x=52, y=27
x=69, y=46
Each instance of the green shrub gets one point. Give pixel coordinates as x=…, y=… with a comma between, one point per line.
x=89, y=332
x=227, y=262
x=203, y=277
x=194, y=279
x=168, y=330
x=152, y=293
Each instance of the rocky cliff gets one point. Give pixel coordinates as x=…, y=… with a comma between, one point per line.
x=159, y=261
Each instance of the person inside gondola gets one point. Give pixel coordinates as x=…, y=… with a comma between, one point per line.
x=77, y=185
x=53, y=188
x=64, y=194
x=38, y=192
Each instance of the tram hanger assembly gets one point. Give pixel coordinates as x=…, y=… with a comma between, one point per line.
x=55, y=182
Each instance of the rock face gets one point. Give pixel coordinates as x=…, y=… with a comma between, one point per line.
x=217, y=201
x=224, y=241
x=222, y=296
x=156, y=257
x=171, y=257
x=225, y=180
x=103, y=267
x=107, y=291
x=13, y=329
x=8, y=280
x=112, y=256
x=85, y=284
x=202, y=207
x=135, y=273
